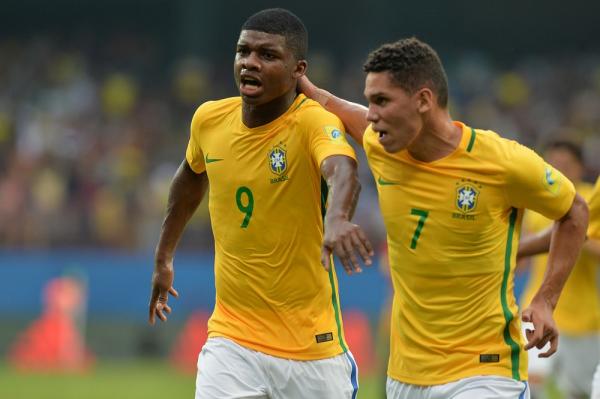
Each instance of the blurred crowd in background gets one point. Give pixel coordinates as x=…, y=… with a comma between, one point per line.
x=92, y=132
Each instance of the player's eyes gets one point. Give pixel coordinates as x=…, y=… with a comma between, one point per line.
x=242, y=50
x=269, y=56
x=380, y=101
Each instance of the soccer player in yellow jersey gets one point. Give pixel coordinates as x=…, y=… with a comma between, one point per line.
x=452, y=198
x=577, y=314
x=536, y=244
x=594, y=246
x=276, y=330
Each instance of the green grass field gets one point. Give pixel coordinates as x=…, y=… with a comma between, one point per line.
x=119, y=380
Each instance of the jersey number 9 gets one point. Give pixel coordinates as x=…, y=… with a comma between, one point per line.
x=246, y=208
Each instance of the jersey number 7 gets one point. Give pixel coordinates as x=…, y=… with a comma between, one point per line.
x=422, y=214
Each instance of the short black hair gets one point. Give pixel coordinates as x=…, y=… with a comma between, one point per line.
x=413, y=65
x=282, y=22
x=569, y=146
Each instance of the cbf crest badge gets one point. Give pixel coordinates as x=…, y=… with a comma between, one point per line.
x=278, y=162
x=466, y=197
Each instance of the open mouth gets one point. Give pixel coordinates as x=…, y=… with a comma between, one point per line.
x=250, y=82
x=250, y=86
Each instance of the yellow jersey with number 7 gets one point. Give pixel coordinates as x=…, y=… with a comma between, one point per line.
x=265, y=203
x=453, y=227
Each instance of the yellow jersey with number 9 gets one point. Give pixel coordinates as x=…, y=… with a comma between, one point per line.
x=265, y=203
x=453, y=227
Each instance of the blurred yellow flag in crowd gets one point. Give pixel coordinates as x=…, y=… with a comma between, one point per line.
x=119, y=94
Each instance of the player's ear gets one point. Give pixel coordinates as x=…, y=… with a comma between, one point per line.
x=300, y=68
x=425, y=99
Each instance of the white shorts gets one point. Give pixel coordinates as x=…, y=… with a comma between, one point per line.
x=575, y=363
x=480, y=387
x=572, y=365
x=227, y=370
x=596, y=384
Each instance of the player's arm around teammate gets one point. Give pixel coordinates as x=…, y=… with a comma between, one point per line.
x=186, y=193
x=564, y=241
x=353, y=115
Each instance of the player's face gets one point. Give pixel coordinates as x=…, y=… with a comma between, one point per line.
x=264, y=68
x=393, y=112
x=566, y=162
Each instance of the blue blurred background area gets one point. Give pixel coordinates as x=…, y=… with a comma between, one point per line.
x=96, y=99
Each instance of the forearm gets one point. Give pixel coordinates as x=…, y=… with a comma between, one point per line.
x=344, y=187
x=353, y=115
x=568, y=236
x=592, y=247
x=535, y=244
x=186, y=193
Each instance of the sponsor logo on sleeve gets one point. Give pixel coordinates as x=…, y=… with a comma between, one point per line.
x=335, y=134
x=551, y=180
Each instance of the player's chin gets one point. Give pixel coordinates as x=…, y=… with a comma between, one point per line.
x=252, y=99
x=392, y=146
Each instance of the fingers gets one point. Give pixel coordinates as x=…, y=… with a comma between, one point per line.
x=540, y=336
x=346, y=244
x=344, y=251
x=326, y=257
x=553, y=346
x=159, y=311
x=534, y=337
x=152, y=305
x=365, y=241
x=340, y=252
x=362, y=244
x=158, y=304
x=305, y=85
x=351, y=259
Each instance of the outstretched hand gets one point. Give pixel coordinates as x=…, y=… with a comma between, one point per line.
x=162, y=286
x=544, y=330
x=344, y=238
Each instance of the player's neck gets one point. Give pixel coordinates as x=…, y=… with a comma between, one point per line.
x=438, y=138
x=258, y=115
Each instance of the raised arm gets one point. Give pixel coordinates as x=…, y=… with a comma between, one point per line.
x=566, y=240
x=341, y=236
x=186, y=193
x=353, y=115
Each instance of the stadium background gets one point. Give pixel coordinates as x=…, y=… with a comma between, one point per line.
x=95, y=104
